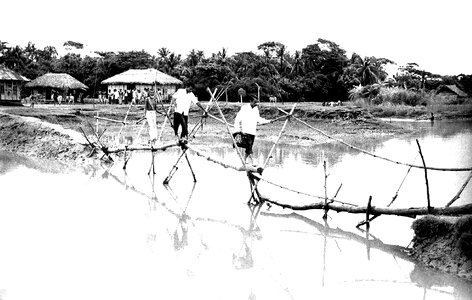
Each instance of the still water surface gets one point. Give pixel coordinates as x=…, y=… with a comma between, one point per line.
x=110, y=234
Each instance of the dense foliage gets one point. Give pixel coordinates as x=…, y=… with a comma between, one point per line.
x=319, y=72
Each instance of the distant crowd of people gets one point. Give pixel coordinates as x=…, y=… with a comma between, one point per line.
x=129, y=96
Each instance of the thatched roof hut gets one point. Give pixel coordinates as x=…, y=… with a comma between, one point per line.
x=10, y=86
x=143, y=76
x=60, y=81
x=143, y=79
x=451, y=90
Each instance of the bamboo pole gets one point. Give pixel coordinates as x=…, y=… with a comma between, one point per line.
x=457, y=196
x=143, y=148
x=231, y=135
x=97, y=122
x=190, y=166
x=167, y=117
x=371, y=154
x=367, y=213
x=425, y=174
x=152, y=162
x=325, y=216
x=110, y=120
x=406, y=212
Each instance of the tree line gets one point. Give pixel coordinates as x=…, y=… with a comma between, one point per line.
x=319, y=72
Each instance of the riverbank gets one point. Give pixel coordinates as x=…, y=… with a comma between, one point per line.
x=347, y=122
x=444, y=244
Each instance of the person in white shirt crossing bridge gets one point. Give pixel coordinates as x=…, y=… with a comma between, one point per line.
x=246, y=122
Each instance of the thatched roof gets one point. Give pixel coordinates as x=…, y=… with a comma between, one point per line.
x=57, y=81
x=7, y=74
x=143, y=76
x=452, y=89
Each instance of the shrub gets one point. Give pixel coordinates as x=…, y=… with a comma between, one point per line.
x=379, y=94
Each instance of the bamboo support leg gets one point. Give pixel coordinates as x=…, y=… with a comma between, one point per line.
x=153, y=153
x=174, y=168
x=457, y=196
x=254, y=191
x=125, y=161
x=190, y=166
x=325, y=216
x=425, y=175
x=124, y=122
x=367, y=213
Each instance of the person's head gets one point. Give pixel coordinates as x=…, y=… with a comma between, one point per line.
x=189, y=88
x=254, y=101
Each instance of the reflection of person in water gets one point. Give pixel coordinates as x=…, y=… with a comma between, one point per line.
x=181, y=233
x=243, y=259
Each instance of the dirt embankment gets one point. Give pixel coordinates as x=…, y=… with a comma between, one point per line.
x=444, y=244
x=34, y=138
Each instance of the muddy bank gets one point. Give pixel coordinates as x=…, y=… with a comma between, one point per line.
x=444, y=244
x=49, y=143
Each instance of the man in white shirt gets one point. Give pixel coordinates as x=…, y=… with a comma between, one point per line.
x=246, y=122
x=183, y=100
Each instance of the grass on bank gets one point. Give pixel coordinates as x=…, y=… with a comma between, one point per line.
x=398, y=102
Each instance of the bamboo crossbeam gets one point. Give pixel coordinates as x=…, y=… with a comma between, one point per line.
x=406, y=212
x=142, y=148
x=371, y=154
x=111, y=120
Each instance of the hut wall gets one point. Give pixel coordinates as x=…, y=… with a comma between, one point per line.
x=9, y=90
x=167, y=90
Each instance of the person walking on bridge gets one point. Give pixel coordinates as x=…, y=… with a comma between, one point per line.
x=183, y=99
x=246, y=122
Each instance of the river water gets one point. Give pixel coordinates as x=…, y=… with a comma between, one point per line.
x=107, y=233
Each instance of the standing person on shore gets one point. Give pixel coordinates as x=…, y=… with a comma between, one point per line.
x=246, y=123
x=150, y=112
x=183, y=100
x=116, y=96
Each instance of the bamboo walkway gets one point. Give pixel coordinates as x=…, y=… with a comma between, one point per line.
x=255, y=173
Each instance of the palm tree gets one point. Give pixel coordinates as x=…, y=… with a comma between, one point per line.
x=297, y=65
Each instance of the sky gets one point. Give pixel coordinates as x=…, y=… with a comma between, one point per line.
x=434, y=34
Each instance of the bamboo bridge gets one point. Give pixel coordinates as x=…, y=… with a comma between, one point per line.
x=255, y=174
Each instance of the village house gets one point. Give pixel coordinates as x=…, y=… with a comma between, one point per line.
x=143, y=79
x=10, y=86
x=59, y=84
x=451, y=92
